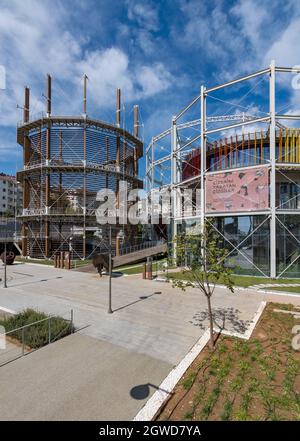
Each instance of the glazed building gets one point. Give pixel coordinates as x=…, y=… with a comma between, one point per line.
x=238, y=179
x=249, y=181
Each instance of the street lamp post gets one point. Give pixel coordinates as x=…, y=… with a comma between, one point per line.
x=109, y=273
x=70, y=250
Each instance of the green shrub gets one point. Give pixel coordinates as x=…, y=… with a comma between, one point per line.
x=187, y=383
x=225, y=416
x=36, y=335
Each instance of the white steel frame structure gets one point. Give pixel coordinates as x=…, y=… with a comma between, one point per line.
x=174, y=156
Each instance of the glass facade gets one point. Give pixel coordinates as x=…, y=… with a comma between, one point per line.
x=288, y=245
x=289, y=195
x=244, y=151
x=247, y=238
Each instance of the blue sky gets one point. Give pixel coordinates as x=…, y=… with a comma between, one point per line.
x=158, y=52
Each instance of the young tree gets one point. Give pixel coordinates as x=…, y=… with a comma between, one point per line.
x=204, y=261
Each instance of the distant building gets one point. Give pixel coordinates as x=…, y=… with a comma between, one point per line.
x=10, y=195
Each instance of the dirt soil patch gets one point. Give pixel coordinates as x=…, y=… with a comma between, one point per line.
x=258, y=379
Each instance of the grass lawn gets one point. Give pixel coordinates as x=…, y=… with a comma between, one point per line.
x=79, y=262
x=243, y=281
x=295, y=289
x=39, y=261
x=239, y=380
x=75, y=263
x=138, y=268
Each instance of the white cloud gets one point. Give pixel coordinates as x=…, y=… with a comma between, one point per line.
x=153, y=79
x=106, y=70
x=35, y=40
x=286, y=49
x=253, y=17
x=209, y=30
x=144, y=13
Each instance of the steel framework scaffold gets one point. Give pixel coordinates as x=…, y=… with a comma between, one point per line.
x=263, y=240
x=66, y=161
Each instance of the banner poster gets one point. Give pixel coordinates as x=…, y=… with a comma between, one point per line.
x=235, y=191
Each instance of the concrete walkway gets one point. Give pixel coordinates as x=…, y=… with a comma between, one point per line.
x=77, y=378
x=89, y=375
x=149, y=317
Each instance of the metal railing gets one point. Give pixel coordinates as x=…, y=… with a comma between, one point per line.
x=52, y=211
x=17, y=346
x=33, y=117
x=57, y=162
x=140, y=247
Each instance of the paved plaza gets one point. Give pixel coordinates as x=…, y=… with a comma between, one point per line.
x=90, y=374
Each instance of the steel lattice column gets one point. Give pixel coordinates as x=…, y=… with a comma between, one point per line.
x=273, y=170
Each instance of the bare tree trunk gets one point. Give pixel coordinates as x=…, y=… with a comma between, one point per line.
x=211, y=323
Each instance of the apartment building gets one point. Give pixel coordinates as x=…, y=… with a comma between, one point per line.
x=10, y=195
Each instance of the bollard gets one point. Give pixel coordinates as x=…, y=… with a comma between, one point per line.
x=149, y=270
x=61, y=260
x=67, y=261
x=144, y=271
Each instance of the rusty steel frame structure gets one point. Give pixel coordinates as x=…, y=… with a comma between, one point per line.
x=66, y=161
x=175, y=157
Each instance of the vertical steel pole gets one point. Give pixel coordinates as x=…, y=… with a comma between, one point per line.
x=147, y=174
x=151, y=181
x=118, y=111
x=26, y=105
x=48, y=172
x=49, y=95
x=84, y=189
x=26, y=159
x=136, y=121
x=84, y=165
x=174, y=180
x=84, y=94
x=152, y=167
x=109, y=270
x=202, y=165
x=273, y=170
x=203, y=156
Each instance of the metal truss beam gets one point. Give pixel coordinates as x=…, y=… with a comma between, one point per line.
x=238, y=80
x=241, y=124
x=164, y=159
x=162, y=135
x=288, y=117
x=288, y=69
x=183, y=111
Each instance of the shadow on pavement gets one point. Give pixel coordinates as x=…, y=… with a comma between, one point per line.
x=137, y=301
